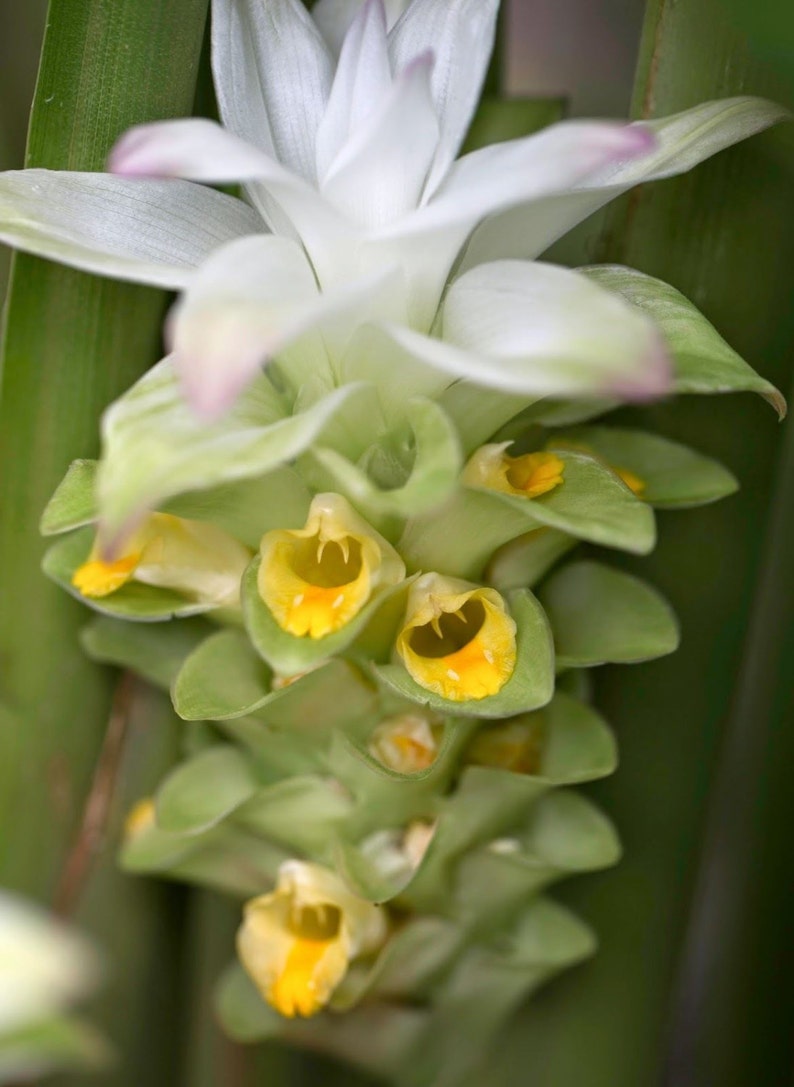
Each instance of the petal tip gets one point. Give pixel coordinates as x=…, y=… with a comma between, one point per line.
x=652, y=381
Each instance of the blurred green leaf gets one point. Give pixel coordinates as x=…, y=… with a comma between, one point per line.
x=601, y=615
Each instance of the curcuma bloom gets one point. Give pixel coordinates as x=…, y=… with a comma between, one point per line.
x=374, y=433
x=297, y=943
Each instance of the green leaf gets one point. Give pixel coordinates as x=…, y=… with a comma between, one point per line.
x=289, y=654
x=154, y=652
x=225, y=857
x=563, y=834
x=478, y=413
x=500, y=119
x=225, y=678
x=155, y=447
x=600, y=615
x=530, y=686
x=579, y=744
x=487, y=803
x=299, y=813
x=201, y=792
x=72, y=343
x=74, y=503
x=245, y=509
x=58, y=1044
x=431, y=444
x=704, y=362
x=522, y=562
x=144, y=603
x=568, y=833
x=408, y=966
x=248, y=508
x=675, y=476
x=242, y=1012
x=574, y=742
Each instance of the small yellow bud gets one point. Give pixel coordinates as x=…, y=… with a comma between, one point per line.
x=406, y=743
x=192, y=557
x=457, y=639
x=296, y=943
x=515, y=745
x=634, y=482
x=528, y=476
x=140, y=818
x=316, y=579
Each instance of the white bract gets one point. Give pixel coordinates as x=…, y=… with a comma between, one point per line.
x=344, y=127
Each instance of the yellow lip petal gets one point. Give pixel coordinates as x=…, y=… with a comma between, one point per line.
x=297, y=942
x=527, y=476
x=96, y=578
x=311, y=972
x=315, y=580
x=458, y=639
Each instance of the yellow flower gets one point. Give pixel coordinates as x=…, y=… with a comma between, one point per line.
x=296, y=943
x=457, y=639
x=192, y=557
x=528, y=476
x=515, y=745
x=634, y=482
x=316, y=579
x=405, y=743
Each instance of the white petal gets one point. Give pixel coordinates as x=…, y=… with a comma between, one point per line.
x=683, y=140
x=201, y=150
x=428, y=241
x=192, y=148
x=541, y=330
x=461, y=34
x=272, y=76
x=153, y=232
x=333, y=17
x=247, y=303
x=362, y=81
x=381, y=172
x=552, y=161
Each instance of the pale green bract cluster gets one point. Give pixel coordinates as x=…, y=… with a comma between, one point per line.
x=368, y=334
